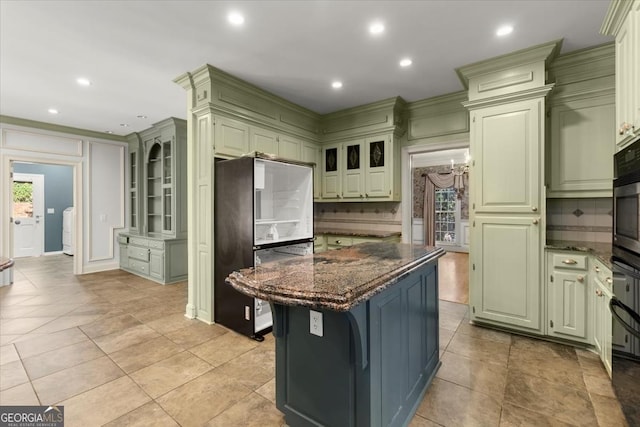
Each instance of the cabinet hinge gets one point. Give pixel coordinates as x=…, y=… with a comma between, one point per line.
x=626, y=339
x=473, y=266
x=551, y=278
x=551, y=323
x=474, y=223
x=473, y=119
x=473, y=162
x=627, y=287
x=474, y=205
x=473, y=309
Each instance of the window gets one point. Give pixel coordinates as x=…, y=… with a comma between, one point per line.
x=446, y=212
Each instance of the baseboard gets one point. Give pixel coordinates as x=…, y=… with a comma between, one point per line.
x=53, y=253
x=91, y=268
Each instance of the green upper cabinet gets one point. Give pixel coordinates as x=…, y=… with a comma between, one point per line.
x=263, y=141
x=134, y=182
x=379, y=170
x=332, y=172
x=289, y=148
x=506, y=148
x=231, y=137
x=311, y=153
x=353, y=170
x=623, y=22
x=582, y=144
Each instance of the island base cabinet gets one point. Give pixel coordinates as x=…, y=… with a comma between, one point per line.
x=371, y=365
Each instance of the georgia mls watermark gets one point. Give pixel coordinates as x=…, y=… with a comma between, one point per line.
x=31, y=416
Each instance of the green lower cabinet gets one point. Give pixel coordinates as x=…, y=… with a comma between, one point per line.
x=325, y=242
x=602, y=322
x=154, y=258
x=568, y=297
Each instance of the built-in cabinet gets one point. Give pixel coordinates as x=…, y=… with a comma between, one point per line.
x=623, y=22
x=507, y=215
x=364, y=169
x=568, y=296
x=600, y=292
x=581, y=147
x=155, y=246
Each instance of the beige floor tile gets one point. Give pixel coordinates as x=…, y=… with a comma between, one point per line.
x=106, y=326
x=561, y=369
x=453, y=308
x=418, y=421
x=262, y=362
x=148, y=314
x=211, y=393
x=15, y=312
x=599, y=385
x=23, y=325
x=66, y=322
x=19, y=396
x=48, y=342
x=479, y=349
x=544, y=348
x=608, y=411
x=566, y=403
x=171, y=323
x=56, y=360
x=12, y=374
x=164, y=376
x=483, y=333
x=69, y=382
x=486, y=377
x=268, y=391
x=224, y=348
x=515, y=416
x=244, y=413
x=148, y=415
x=445, y=337
x=126, y=338
x=195, y=334
x=8, y=354
x=104, y=403
x=449, y=321
x=147, y=353
x=591, y=364
x=449, y=404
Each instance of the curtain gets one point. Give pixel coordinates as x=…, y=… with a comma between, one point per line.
x=433, y=181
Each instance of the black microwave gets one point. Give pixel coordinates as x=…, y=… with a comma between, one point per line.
x=626, y=199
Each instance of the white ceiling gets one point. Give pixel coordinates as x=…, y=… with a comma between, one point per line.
x=132, y=51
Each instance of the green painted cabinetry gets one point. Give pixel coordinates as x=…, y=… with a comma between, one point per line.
x=581, y=147
x=600, y=291
x=336, y=241
x=155, y=246
x=568, y=296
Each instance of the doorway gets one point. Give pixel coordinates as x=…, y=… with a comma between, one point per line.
x=28, y=215
x=450, y=215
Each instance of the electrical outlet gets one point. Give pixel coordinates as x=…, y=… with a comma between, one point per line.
x=247, y=312
x=315, y=323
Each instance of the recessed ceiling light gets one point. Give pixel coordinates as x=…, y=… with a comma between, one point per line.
x=141, y=116
x=336, y=84
x=504, y=30
x=376, y=28
x=235, y=18
x=83, y=82
x=53, y=111
x=406, y=62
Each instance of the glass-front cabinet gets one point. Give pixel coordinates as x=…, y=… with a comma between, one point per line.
x=155, y=246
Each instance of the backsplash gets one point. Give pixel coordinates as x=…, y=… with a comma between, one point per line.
x=588, y=220
x=363, y=216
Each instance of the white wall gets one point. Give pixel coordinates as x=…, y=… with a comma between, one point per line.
x=99, y=188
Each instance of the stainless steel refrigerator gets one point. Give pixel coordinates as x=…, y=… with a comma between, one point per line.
x=263, y=210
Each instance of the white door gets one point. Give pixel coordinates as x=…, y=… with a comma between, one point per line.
x=28, y=215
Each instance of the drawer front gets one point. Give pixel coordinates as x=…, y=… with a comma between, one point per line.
x=139, y=241
x=139, y=266
x=138, y=253
x=571, y=261
x=156, y=244
x=339, y=241
x=603, y=274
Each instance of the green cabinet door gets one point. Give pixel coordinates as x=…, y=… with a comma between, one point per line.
x=353, y=170
x=311, y=153
x=332, y=171
x=379, y=167
x=505, y=272
x=263, y=141
x=289, y=148
x=567, y=305
x=231, y=137
x=602, y=322
x=156, y=264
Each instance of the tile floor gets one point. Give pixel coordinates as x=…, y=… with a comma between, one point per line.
x=116, y=350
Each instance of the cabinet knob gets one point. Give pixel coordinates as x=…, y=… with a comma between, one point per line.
x=338, y=242
x=535, y=222
x=366, y=195
x=534, y=208
x=580, y=279
x=599, y=292
x=597, y=269
x=609, y=280
x=569, y=261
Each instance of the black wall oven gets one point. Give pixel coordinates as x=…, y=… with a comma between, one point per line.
x=625, y=303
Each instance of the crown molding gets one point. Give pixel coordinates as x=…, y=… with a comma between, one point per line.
x=16, y=121
x=615, y=16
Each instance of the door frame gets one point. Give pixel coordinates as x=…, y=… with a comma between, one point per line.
x=33, y=178
x=406, y=163
x=6, y=195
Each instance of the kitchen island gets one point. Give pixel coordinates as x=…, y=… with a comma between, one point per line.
x=356, y=332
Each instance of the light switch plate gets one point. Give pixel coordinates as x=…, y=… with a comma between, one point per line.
x=315, y=323
x=51, y=210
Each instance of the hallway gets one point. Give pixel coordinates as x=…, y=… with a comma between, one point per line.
x=453, y=280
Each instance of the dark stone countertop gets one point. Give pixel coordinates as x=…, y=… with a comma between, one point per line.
x=336, y=280
x=353, y=233
x=602, y=251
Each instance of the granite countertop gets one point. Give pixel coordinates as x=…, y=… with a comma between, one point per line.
x=336, y=280
x=354, y=233
x=602, y=251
